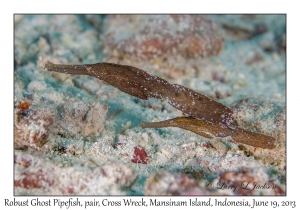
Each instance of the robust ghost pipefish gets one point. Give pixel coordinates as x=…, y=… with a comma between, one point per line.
x=144, y=85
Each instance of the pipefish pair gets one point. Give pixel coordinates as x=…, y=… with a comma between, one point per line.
x=208, y=117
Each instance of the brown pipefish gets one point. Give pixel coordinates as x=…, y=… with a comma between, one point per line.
x=210, y=130
x=144, y=85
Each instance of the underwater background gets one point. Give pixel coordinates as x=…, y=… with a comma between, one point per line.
x=77, y=135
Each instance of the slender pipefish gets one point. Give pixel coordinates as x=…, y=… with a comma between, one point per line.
x=208, y=117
